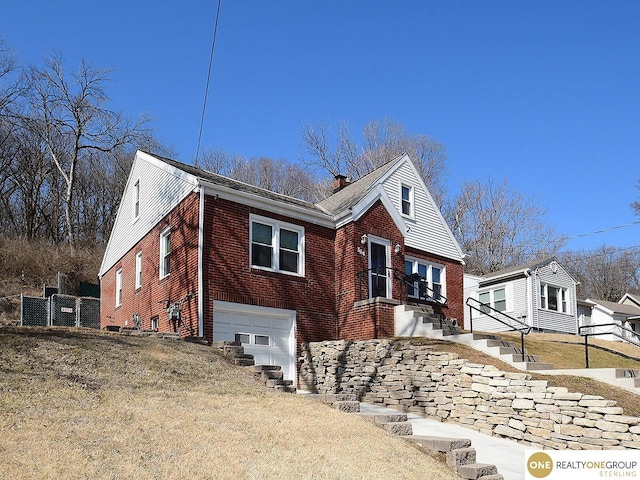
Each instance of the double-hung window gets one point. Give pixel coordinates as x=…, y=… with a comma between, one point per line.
x=136, y=200
x=554, y=298
x=406, y=200
x=426, y=279
x=496, y=298
x=165, y=253
x=276, y=246
x=118, y=287
x=138, y=270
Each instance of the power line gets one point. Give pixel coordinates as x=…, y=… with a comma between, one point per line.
x=604, y=230
x=206, y=90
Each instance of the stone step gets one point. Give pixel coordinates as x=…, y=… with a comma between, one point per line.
x=271, y=375
x=197, y=340
x=495, y=476
x=533, y=365
x=244, y=361
x=278, y=382
x=475, y=471
x=398, y=428
x=285, y=388
x=385, y=418
x=347, y=406
x=500, y=343
x=486, y=336
x=440, y=444
x=461, y=456
x=517, y=357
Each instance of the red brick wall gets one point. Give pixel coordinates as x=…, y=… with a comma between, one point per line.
x=229, y=277
x=183, y=279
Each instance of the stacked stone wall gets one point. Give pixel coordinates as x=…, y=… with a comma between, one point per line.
x=415, y=378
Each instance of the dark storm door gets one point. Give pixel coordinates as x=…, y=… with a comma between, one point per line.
x=379, y=272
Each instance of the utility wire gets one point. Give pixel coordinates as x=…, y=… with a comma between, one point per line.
x=206, y=90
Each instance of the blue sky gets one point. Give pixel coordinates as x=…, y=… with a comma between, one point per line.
x=544, y=93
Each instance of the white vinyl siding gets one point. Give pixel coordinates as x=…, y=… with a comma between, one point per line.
x=170, y=187
x=427, y=229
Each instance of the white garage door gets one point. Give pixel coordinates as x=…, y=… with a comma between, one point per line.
x=266, y=333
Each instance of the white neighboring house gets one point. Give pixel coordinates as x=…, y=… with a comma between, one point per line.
x=625, y=313
x=541, y=294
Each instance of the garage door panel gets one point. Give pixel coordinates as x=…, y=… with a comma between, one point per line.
x=258, y=323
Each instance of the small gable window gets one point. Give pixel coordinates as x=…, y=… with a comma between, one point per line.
x=276, y=246
x=136, y=200
x=407, y=200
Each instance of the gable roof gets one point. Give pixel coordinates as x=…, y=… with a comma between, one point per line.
x=633, y=298
x=519, y=269
x=228, y=183
x=616, y=308
x=350, y=195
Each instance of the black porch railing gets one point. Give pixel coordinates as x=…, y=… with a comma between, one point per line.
x=414, y=287
x=613, y=332
x=488, y=311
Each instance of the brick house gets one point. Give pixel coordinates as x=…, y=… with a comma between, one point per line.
x=198, y=253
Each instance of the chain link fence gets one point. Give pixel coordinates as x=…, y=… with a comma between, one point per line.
x=60, y=310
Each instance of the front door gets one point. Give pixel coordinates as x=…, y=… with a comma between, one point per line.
x=378, y=265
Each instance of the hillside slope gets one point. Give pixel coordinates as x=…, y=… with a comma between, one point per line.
x=86, y=404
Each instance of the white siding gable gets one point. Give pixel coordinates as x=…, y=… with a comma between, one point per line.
x=426, y=228
x=161, y=188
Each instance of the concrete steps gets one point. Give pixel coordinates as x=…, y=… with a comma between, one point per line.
x=416, y=321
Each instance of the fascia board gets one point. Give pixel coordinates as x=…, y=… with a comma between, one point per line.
x=504, y=277
x=379, y=193
x=271, y=205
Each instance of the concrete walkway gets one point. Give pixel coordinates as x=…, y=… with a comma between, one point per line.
x=506, y=455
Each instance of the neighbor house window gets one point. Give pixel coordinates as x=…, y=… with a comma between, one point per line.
x=428, y=279
x=407, y=200
x=495, y=298
x=136, y=200
x=554, y=298
x=165, y=253
x=277, y=246
x=118, y=287
x=138, y=270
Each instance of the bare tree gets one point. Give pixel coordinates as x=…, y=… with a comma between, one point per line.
x=277, y=176
x=606, y=273
x=382, y=141
x=498, y=228
x=73, y=122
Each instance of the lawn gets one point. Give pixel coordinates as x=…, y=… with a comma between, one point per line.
x=78, y=404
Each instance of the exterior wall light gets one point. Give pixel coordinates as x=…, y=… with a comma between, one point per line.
x=364, y=239
x=397, y=248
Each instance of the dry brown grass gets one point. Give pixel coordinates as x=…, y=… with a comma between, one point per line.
x=564, y=351
x=85, y=404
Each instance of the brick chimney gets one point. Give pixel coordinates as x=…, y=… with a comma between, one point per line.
x=340, y=182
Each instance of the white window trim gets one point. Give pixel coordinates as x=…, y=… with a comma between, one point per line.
x=508, y=296
x=544, y=292
x=163, y=253
x=135, y=206
x=429, y=277
x=275, y=244
x=118, y=287
x=138, y=270
x=412, y=208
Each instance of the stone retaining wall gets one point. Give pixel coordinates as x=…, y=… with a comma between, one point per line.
x=415, y=378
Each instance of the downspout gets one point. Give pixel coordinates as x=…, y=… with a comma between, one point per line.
x=530, y=290
x=200, y=269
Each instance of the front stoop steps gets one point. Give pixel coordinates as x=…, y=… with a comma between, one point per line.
x=271, y=375
x=428, y=326
x=459, y=454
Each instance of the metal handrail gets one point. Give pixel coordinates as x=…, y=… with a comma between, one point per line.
x=614, y=333
x=426, y=293
x=484, y=308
